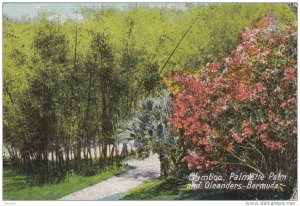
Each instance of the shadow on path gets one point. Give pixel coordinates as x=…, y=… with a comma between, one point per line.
x=112, y=189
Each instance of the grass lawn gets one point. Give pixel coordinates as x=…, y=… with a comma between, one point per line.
x=174, y=189
x=169, y=189
x=15, y=186
x=155, y=190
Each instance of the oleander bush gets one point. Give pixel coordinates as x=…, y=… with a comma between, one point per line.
x=240, y=113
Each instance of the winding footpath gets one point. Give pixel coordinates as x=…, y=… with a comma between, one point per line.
x=143, y=171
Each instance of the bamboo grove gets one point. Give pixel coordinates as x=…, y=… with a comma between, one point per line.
x=67, y=84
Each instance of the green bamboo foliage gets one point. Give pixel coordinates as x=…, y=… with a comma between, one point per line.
x=68, y=83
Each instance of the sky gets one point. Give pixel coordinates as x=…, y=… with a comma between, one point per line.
x=65, y=10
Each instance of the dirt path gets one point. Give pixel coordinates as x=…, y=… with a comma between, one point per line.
x=143, y=171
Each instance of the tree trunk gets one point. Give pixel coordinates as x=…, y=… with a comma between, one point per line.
x=163, y=166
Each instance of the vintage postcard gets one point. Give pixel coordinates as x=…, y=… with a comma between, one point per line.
x=150, y=101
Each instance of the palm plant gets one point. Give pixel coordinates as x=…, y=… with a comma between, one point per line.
x=149, y=129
